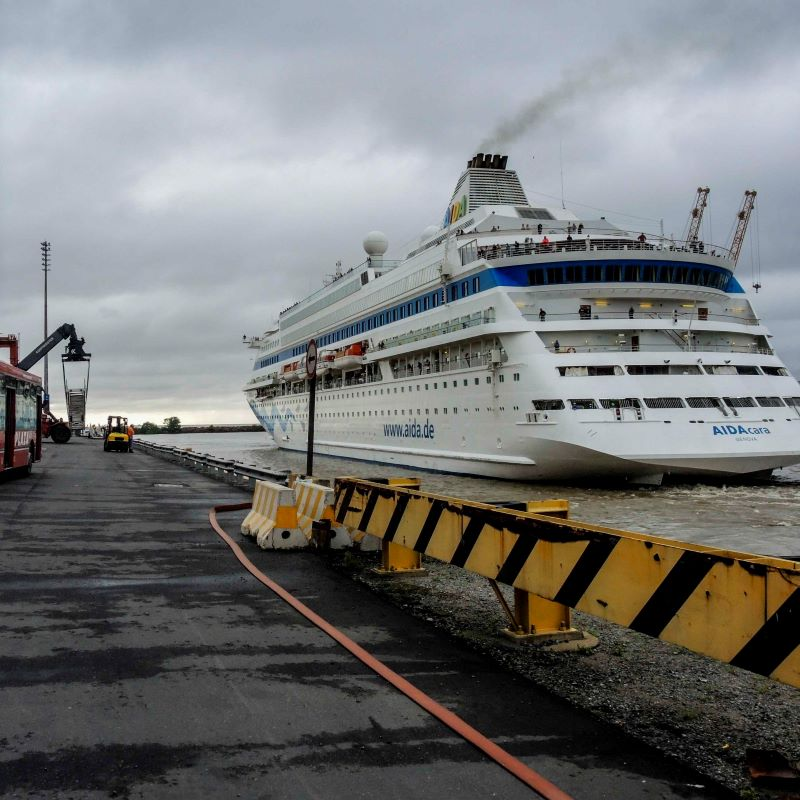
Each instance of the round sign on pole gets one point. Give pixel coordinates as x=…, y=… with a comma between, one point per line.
x=311, y=359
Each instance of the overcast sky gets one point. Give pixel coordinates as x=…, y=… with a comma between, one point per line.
x=199, y=166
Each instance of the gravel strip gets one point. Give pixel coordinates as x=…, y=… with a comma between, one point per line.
x=702, y=712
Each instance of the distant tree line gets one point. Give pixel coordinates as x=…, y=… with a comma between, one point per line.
x=174, y=425
x=171, y=425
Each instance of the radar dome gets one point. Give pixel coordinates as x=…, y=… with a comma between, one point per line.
x=376, y=243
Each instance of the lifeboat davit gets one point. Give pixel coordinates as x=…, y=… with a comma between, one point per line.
x=300, y=369
x=325, y=361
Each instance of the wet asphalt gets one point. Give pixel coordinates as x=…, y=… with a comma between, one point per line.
x=139, y=660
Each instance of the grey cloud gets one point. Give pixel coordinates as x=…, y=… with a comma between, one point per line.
x=198, y=167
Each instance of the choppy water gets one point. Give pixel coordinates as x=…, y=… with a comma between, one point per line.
x=762, y=518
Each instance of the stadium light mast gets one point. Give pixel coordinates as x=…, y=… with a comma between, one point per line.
x=45, y=247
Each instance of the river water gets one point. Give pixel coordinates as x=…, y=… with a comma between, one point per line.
x=759, y=518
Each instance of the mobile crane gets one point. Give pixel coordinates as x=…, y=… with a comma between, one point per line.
x=58, y=430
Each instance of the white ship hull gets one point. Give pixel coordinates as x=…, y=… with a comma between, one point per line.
x=497, y=352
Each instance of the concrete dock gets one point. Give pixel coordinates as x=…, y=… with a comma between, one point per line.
x=139, y=660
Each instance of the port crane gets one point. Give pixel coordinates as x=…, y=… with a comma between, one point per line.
x=742, y=218
x=696, y=217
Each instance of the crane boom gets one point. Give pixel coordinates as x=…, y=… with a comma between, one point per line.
x=696, y=217
x=74, y=352
x=743, y=217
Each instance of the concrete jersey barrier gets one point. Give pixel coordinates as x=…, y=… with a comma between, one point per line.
x=273, y=518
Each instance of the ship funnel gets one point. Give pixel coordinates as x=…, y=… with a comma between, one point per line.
x=487, y=161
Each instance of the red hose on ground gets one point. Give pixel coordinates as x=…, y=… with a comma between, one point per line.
x=525, y=774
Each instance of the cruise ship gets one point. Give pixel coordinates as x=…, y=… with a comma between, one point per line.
x=525, y=342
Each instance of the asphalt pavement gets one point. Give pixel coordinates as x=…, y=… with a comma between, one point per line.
x=139, y=660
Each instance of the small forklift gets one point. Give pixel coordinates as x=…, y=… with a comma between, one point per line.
x=116, y=437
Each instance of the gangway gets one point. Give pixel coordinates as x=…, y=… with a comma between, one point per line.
x=75, y=396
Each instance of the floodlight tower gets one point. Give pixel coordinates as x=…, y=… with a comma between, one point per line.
x=45, y=247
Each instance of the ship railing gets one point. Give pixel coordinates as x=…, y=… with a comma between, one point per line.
x=585, y=242
x=534, y=312
x=484, y=317
x=627, y=347
x=441, y=366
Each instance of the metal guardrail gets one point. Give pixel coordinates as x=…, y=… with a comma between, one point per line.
x=223, y=467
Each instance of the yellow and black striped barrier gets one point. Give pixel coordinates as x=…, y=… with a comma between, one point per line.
x=735, y=607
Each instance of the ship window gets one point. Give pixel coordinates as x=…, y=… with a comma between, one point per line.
x=778, y=371
x=488, y=379
x=464, y=288
x=622, y=402
x=740, y=402
x=536, y=277
x=548, y=405
x=453, y=292
x=792, y=401
x=663, y=402
x=730, y=369
x=593, y=273
x=581, y=372
x=501, y=378
x=648, y=369
x=435, y=299
x=476, y=284
x=769, y=402
x=455, y=410
x=555, y=275
x=582, y=404
x=477, y=381
x=703, y=402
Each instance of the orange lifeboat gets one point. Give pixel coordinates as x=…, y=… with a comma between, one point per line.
x=289, y=371
x=350, y=357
